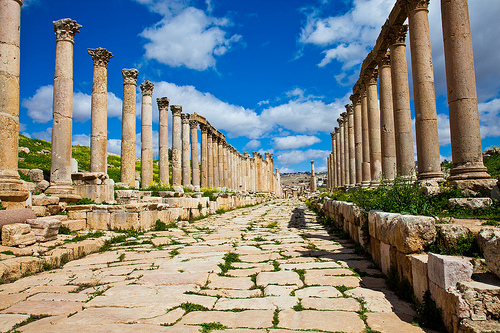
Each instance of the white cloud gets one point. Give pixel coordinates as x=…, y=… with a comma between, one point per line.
x=115, y=146
x=39, y=106
x=186, y=37
x=297, y=156
x=252, y=144
x=81, y=139
x=294, y=141
x=44, y=135
x=287, y=170
x=489, y=115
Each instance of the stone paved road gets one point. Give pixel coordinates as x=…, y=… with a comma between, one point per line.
x=268, y=268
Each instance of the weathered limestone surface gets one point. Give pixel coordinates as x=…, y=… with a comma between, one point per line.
x=176, y=145
x=45, y=229
x=163, y=172
x=127, y=170
x=186, y=150
x=17, y=234
x=147, y=134
x=489, y=241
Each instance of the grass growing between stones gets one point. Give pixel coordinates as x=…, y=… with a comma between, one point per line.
x=209, y=327
x=30, y=319
x=229, y=259
x=276, y=319
x=190, y=307
x=301, y=273
x=79, y=238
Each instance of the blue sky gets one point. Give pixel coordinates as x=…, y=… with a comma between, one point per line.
x=271, y=75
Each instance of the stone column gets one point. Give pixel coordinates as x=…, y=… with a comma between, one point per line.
x=60, y=164
x=186, y=151
x=352, y=155
x=99, y=115
x=387, y=138
x=215, y=155
x=366, y=172
x=163, y=170
x=358, y=137
x=405, y=160
x=333, y=162
x=227, y=183
x=338, y=158
x=252, y=174
x=426, y=129
x=345, y=125
x=466, y=147
x=342, y=149
x=210, y=159
x=230, y=176
x=193, y=124
x=220, y=155
x=147, y=134
x=176, y=145
x=13, y=192
x=257, y=171
x=374, y=129
x=204, y=155
x=127, y=170
x=312, y=186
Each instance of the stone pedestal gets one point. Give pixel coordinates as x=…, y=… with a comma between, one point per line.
x=401, y=102
x=147, y=134
x=466, y=147
x=176, y=144
x=186, y=151
x=374, y=129
x=193, y=124
x=366, y=172
x=99, y=115
x=127, y=170
x=387, y=138
x=163, y=170
x=60, y=164
x=204, y=156
x=426, y=129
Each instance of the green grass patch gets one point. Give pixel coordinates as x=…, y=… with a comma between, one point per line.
x=190, y=307
x=209, y=327
x=79, y=238
x=229, y=259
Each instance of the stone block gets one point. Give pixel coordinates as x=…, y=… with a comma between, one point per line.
x=78, y=212
x=385, y=257
x=45, y=228
x=419, y=275
x=412, y=233
x=446, y=271
x=53, y=209
x=375, y=251
x=98, y=192
x=383, y=226
x=36, y=175
x=17, y=234
x=403, y=262
x=42, y=186
x=454, y=308
x=12, y=216
x=44, y=200
x=483, y=298
x=75, y=225
x=489, y=242
x=124, y=220
x=470, y=203
x=451, y=233
x=40, y=211
x=98, y=219
x=146, y=220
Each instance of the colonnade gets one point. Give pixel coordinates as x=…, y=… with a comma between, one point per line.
x=222, y=166
x=374, y=141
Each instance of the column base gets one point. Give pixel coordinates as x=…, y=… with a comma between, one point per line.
x=13, y=193
x=374, y=183
x=433, y=175
x=66, y=193
x=469, y=171
x=365, y=183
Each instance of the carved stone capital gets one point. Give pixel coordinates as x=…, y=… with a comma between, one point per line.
x=340, y=120
x=371, y=76
x=130, y=76
x=176, y=110
x=332, y=134
x=349, y=108
x=355, y=98
x=336, y=129
x=193, y=124
x=147, y=88
x=411, y=5
x=203, y=128
x=385, y=60
x=185, y=118
x=65, y=29
x=397, y=34
x=163, y=103
x=100, y=56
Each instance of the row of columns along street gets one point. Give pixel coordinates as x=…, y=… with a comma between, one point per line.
x=374, y=141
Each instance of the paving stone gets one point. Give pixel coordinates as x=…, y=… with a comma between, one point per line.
x=331, y=321
x=245, y=303
x=280, y=278
x=221, y=282
x=59, y=297
x=9, y=300
x=9, y=320
x=45, y=308
x=106, y=315
x=390, y=322
x=320, y=291
x=157, y=278
x=348, y=281
x=310, y=265
x=229, y=293
x=245, y=319
x=345, y=304
x=273, y=290
x=168, y=318
x=255, y=258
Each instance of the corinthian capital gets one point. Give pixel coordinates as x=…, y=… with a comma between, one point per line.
x=371, y=76
x=163, y=103
x=176, y=110
x=185, y=118
x=65, y=29
x=397, y=34
x=100, y=56
x=385, y=59
x=193, y=123
x=349, y=108
x=410, y=5
x=130, y=76
x=147, y=88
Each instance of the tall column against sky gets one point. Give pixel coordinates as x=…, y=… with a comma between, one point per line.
x=338, y=157
x=60, y=163
x=466, y=147
x=215, y=155
x=352, y=155
x=204, y=155
x=127, y=169
x=163, y=170
x=345, y=125
x=252, y=173
x=374, y=129
x=365, y=168
x=186, y=151
x=230, y=184
x=401, y=102
x=426, y=128
x=176, y=144
x=220, y=154
x=147, y=134
x=358, y=137
x=226, y=165
x=210, y=158
x=99, y=114
x=312, y=185
x=193, y=124
x=334, y=160
x=387, y=138
x=257, y=171
x=13, y=192
x=342, y=149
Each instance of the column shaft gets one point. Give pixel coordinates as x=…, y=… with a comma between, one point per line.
x=352, y=155
x=338, y=158
x=215, y=155
x=194, y=153
x=176, y=145
x=127, y=169
x=210, y=160
x=358, y=138
x=186, y=151
x=147, y=134
x=204, y=156
x=374, y=130
x=220, y=154
x=163, y=170
x=366, y=172
x=345, y=126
